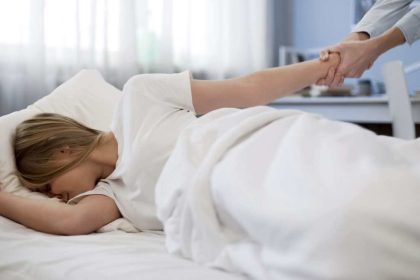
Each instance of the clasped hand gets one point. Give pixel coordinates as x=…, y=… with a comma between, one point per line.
x=356, y=57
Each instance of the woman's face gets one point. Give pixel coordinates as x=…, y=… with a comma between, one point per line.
x=72, y=183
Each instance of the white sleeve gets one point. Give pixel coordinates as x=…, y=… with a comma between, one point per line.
x=383, y=15
x=410, y=25
x=101, y=188
x=173, y=90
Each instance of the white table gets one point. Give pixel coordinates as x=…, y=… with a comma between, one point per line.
x=352, y=109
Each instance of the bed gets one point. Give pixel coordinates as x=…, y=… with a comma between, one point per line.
x=271, y=194
x=27, y=254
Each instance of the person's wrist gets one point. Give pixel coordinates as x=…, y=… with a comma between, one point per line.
x=362, y=36
x=372, y=49
x=378, y=45
x=357, y=36
x=390, y=39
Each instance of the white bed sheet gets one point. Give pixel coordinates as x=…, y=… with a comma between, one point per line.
x=27, y=254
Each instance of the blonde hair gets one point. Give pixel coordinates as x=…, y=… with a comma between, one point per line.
x=39, y=140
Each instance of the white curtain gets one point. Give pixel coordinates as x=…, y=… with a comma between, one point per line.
x=44, y=42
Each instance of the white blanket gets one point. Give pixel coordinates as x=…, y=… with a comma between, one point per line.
x=289, y=195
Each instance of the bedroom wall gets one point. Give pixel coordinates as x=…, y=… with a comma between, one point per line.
x=283, y=26
x=317, y=23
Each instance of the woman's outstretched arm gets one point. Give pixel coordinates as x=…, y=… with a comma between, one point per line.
x=49, y=216
x=260, y=87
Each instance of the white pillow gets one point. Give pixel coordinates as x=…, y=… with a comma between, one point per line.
x=86, y=97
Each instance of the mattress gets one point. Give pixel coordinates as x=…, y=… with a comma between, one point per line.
x=28, y=254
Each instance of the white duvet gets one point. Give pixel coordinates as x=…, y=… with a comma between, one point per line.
x=288, y=195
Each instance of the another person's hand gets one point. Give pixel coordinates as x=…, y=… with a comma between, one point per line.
x=354, y=58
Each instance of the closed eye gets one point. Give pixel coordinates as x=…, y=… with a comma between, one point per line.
x=44, y=189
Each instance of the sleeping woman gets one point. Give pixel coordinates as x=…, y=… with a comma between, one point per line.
x=103, y=176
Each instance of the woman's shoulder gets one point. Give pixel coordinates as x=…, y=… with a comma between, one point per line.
x=158, y=80
x=167, y=91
